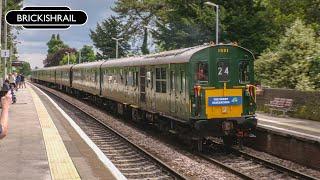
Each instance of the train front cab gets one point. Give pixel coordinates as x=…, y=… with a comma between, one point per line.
x=223, y=97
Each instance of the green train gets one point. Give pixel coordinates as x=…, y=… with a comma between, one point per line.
x=197, y=92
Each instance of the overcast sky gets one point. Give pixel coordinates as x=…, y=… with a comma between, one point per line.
x=33, y=46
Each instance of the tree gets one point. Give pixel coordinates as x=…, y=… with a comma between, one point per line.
x=102, y=38
x=137, y=15
x=60, y=57
x=183, y=24
x=55, y=47
x=55, y=43
x=87, y=54
x=25, y=69
x=295, y=62
x=72, y=58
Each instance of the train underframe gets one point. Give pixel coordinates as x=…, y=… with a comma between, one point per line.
x=194, y=131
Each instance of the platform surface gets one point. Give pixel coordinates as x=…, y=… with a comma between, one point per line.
x=297, y=127
x=42, y=145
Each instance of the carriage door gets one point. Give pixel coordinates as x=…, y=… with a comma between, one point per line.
x=173, y=89
x=150, y=91
x=142, y=85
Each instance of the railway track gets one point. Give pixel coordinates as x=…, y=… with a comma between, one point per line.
x=139, y=164
x=249, y=166
x=133, y=161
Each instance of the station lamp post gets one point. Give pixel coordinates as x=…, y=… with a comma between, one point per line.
x=79, y=56
x=149, y=28
x=217, y=19
x=117, y=44
x=67, y=53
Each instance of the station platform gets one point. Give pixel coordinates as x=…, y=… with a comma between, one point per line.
x=303, y=128
x=42, y=144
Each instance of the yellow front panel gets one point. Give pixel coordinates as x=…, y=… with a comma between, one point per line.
x=223, y=111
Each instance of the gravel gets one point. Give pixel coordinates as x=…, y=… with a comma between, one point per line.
x=285, y=163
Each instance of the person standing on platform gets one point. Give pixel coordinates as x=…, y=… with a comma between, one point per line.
x=23, y=84
x=18, y=80
x=5, y=103
x=12, y=81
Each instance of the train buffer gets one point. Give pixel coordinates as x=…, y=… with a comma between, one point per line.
x=41, y=144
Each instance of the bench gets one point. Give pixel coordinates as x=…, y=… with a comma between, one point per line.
x=280, y=104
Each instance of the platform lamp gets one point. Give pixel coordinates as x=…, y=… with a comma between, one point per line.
x=68, y=54
x=217, y=18
x=117, y=45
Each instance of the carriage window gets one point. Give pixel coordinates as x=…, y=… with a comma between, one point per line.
x=148, y=79
x=172, y=83
x=202, y=72
x=223, y=71
x=244, y=72
x=161, y=81
x=182, y=80
x=151, y=80
x=126, y=78
x=121, y=80
x=95, y=76
x=137, y=79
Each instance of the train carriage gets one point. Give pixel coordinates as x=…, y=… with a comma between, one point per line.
x=64, y=77
x=45, y=75
x=86, y=77
x=196, y=92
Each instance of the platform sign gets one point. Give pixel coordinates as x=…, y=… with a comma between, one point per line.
x=5, y=53
x=224, y=101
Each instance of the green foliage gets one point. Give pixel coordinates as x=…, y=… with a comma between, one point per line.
x=87, y=54
x=254, y=24
x=56, y=51
x=55, y=43
x=72, y=59
x=183, y=24
x=137, y=15
x=60, y=57
x=294, y=63
x=102, y=38
x=25, y=69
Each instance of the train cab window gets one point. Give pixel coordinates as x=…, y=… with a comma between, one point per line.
x=161, y=81
x=223, y=71
x=244, y=72
x=202, y=72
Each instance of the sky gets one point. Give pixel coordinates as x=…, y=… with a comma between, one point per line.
x=33, y=48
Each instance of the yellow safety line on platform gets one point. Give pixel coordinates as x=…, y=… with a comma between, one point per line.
x=61, y=165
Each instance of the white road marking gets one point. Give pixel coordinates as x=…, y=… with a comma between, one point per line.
x=103, y=158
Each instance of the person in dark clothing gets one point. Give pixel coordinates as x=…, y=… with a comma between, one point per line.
x=23, y=84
